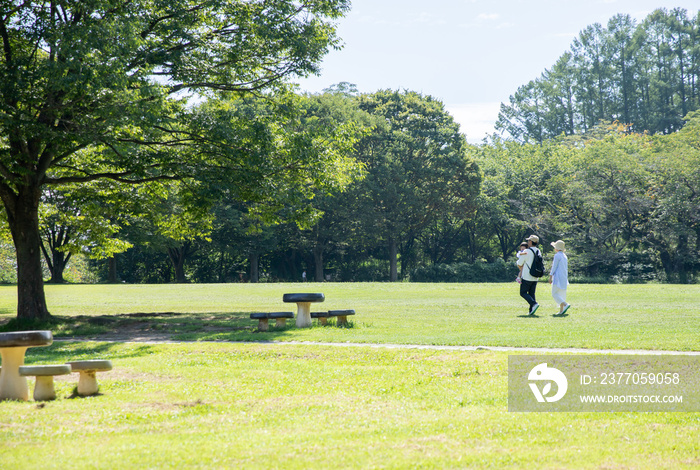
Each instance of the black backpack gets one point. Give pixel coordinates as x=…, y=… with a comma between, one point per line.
x=537, y=268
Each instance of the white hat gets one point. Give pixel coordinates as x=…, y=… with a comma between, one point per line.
x=558, y=245
x=534, y=238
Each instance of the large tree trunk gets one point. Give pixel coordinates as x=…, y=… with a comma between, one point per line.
x=112, y=270
x=58, y=266
x=23, y=218
x=393, y=261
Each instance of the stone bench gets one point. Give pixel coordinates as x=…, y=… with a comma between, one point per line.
x=43, y=388
x=341, y=315
x=263, y=318
x=87, y=382
x=303, y=302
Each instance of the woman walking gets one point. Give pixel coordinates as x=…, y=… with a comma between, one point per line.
x=559, y=276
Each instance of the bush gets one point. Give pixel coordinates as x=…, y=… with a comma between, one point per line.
x=371, y=270
x=615, y=268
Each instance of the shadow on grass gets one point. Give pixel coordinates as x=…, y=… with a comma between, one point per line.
x=60, y=352
x=157, y=326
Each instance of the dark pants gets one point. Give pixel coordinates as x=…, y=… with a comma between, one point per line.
x=527, y=292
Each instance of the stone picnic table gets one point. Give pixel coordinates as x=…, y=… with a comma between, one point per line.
x=303, y=302
x=13, y=345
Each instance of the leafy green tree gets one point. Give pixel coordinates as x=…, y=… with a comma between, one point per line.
x=332, y=231
x=523, y=192
x=523, y=118
x=560, y=97
x=174, y=225
x=114, y=76
x=224, y=258
x=417, y=169
x=316, y=131
x=82, y=220
x=500, y=205
x=606, y=204
x=624, y=45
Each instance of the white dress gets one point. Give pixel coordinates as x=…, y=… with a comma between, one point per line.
x=560, y=277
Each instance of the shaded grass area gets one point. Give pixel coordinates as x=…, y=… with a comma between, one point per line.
x=224, y=405
x=653, y=316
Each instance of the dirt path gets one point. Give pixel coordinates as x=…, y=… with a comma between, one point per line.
x=161, y=338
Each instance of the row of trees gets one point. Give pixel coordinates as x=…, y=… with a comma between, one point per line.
x=646, y=75
x=628, y=205
x=429, y=206
x=407, y=170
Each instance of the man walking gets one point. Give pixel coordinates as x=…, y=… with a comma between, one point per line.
x=529, y=282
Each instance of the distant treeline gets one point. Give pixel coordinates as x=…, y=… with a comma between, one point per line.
x=645, y=75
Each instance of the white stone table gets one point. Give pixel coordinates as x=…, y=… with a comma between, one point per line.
x=303, y=302
x=13, y=345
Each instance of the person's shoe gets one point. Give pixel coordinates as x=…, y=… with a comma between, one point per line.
x=534, y=309
x=565, y=309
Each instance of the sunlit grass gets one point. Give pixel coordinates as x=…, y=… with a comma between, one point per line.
x=224, y=405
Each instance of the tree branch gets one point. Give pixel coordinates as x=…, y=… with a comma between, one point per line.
x=119, y=177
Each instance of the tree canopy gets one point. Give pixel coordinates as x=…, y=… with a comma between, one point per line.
x=98, y=89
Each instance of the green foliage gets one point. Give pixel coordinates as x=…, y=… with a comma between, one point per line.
x=522, y=191
x=284, y=147
x=626, y=205
x=366, y=269
x=608, y=195
x=8, y=263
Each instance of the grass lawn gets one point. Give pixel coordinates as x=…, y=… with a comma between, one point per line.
x=223, y=404
x=653, y=316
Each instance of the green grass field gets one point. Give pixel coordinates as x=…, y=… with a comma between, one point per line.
x=650, y=316
x=222, y=404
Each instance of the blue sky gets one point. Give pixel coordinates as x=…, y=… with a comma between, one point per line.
x=470, y=54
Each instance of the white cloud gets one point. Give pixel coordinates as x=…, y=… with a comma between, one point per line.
x=488, y=17
x=475, y=119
